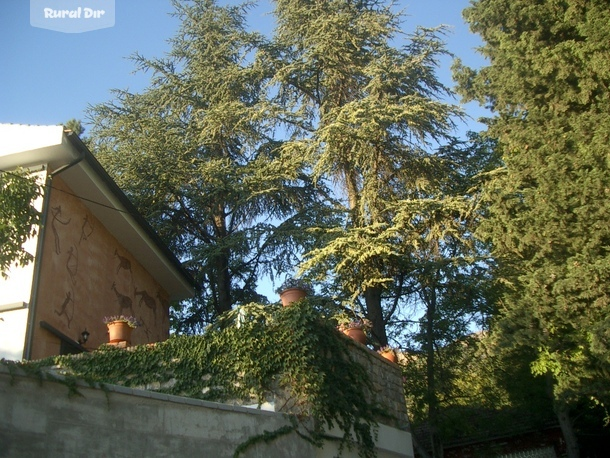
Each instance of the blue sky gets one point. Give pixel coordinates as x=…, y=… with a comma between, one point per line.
x=48, y=77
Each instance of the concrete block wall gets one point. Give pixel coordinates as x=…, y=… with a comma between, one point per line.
x=41, y=419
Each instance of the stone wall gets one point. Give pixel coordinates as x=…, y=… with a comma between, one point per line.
x=387, y=382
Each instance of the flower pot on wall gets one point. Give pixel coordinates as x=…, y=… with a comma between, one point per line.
x=390, y=355
x=119, y=331
x=290, y=295
x=356, y=334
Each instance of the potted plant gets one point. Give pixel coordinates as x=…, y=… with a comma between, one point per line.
x=356, y=329
x=388, y=353
x=292, y=290
x=120, y=327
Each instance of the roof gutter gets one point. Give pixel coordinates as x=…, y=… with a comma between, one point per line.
x=131, y=210
x=81, y=156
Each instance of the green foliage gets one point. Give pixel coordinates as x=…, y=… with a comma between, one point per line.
x=76, y=126
x=18, y=217
x=482, y=390
x=548, y=204
x=370, y=115
x=293, y=356
x=197, y=154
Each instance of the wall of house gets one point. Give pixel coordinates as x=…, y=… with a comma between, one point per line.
x=87, y=275
x=43, y=420
x=14, y=301
x=13, y=324
x=15, y=292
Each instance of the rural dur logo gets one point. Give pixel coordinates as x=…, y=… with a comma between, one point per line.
x=72, y=16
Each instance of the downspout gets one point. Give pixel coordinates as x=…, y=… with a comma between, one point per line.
x=46, y=201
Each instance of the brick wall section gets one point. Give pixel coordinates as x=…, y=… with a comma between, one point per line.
x=387, y=382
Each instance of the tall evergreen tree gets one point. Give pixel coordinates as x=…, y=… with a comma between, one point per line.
x=548, y=84
x=366, y=109
x=366, y=114
x=196, y=153
x=449, y=278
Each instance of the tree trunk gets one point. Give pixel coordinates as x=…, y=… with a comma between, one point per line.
x=567, y=430
x=565, y=423
x=224, y=284
x=374, y=312
x=437, y=446
x=221, y=264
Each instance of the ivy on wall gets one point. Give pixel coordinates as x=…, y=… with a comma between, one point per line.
x=254, y=354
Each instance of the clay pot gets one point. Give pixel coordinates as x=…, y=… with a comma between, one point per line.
x=290, y=295
x=389, y=355
x=119, y=331
x=356, y=334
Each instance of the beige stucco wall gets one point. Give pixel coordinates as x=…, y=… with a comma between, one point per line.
x=86, y=275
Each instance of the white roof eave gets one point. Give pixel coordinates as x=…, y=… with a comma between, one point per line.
x=33, y=146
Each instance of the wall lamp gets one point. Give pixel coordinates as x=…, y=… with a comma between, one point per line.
x=84, y=337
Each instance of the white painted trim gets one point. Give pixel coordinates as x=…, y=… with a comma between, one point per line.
x=13, y=306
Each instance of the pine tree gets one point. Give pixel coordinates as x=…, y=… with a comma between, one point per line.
x=366, y=114
x=366, y=109
x=547, y=83
x=196, y=153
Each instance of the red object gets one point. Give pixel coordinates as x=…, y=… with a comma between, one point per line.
x=389, y=355
x=357, y=334
x=290, y=295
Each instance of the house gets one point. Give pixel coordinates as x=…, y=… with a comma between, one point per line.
x=95, y=255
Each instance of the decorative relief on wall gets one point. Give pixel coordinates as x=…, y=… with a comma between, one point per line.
x=86, y=229
x=148, y=301
x=61, y=236
x=125, y=302
x=57, y=219
x=124, y=263
x=82, y=264
x=72, y=263
x=67, y=308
